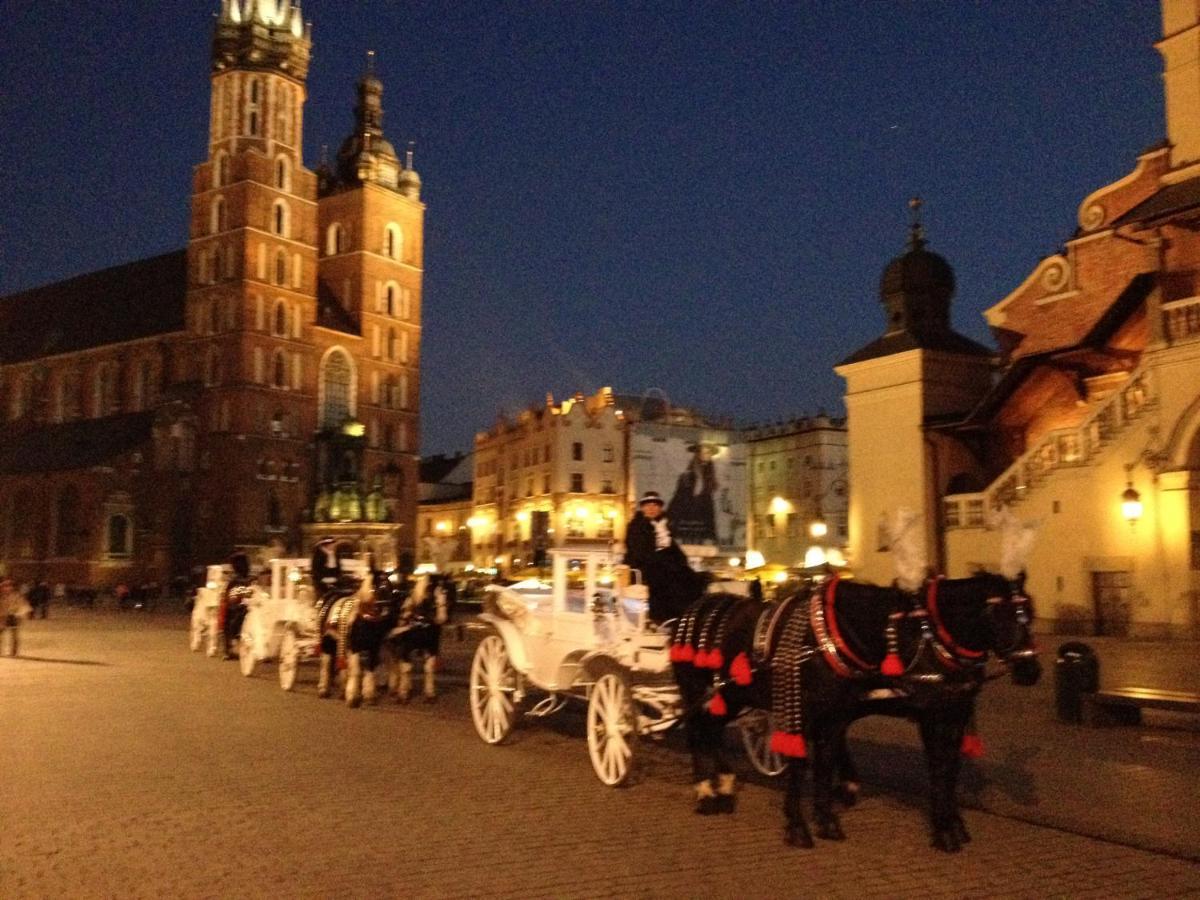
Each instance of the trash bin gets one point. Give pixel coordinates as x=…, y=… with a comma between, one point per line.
x=1076, y=672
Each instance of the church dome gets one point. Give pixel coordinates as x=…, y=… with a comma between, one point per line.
x=918, y=273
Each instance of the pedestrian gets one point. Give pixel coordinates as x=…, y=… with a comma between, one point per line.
x=651, y=549
x=39, y=598
x=235, y=603
x=13, y=608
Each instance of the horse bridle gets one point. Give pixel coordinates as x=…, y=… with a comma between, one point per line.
x=1022, y=646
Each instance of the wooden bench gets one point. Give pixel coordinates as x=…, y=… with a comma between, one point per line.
x=1124, y=705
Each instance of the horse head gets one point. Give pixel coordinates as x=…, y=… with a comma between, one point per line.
x=1011, y=617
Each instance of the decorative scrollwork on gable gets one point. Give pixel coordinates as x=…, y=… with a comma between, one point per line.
x=1056, y=275
x=1092, y=216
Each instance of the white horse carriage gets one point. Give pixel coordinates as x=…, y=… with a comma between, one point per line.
x=204, y=628
x=587, y=636
x=280, y=624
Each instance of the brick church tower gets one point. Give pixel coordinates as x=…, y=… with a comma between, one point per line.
x=302, y=311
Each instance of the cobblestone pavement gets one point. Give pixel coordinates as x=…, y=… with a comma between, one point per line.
x=130, y=767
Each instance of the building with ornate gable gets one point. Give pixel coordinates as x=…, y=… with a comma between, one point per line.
x=259, y=387
x=1087, y=419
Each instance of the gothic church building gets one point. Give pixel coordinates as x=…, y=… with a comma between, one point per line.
x=257, y=389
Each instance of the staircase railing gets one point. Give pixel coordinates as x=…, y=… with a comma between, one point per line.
x=1061, y=448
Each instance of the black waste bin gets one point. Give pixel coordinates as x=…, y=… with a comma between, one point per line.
x=1076, y=672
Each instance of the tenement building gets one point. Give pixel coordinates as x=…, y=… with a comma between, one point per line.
x=259, y=387
x=1087, y=418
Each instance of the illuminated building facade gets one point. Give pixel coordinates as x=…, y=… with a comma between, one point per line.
x=1087, y=419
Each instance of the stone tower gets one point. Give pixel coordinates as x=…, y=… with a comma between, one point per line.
x=252, y=283
x=918, y=373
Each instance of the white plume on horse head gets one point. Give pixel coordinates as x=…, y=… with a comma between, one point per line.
x=906, y=540
x=1016, y=542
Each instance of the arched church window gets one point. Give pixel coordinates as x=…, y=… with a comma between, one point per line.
x=279, y=370
x=393, y=241
x=119, y=536
x=221, y=169
x=280, y=323
x=336, y=382
x=281, y=268
x=279, y=218
x=333, y=239
x=391, y=344
x=216, y=220
x=282, y=173
x=390, y=299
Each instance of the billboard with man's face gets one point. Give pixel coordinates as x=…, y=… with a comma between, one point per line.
x=701, y=475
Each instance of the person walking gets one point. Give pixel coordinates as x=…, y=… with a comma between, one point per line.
x=13, y=608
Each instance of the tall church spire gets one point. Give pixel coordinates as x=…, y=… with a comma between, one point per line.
x=366, y=155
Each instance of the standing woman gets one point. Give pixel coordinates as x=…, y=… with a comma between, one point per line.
x=13, y=607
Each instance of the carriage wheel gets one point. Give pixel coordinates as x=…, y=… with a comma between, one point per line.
x=612, y=723
x=756, y=727
x=246, y=660
x=289, y=660
x=493, y=684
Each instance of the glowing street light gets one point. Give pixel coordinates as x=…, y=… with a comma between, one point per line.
x=1131, y=504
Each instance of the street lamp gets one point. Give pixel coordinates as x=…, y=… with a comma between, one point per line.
x=818, y=529
x=1131, y=504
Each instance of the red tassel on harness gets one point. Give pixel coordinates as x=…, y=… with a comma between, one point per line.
x=674, y=654
x=717, y=706
x=740, y=670
x=789, y=745
x=700, y=660
x=972, y=746
x=687, y=653
x=716, y=658
x=892, y=667
x=341, y=663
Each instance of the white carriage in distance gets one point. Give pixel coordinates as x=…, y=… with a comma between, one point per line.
x=204, y=630
x=586, y=635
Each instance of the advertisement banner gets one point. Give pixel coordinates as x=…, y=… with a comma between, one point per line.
x=702, y=477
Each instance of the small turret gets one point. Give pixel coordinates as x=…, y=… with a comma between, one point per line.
x=366, y=155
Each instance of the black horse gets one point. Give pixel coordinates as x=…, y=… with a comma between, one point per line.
x=843, y=650
x=417, y=634
x=354, y=624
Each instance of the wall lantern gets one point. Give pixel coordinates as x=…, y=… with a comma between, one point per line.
x=1131, y=504
x=818, y=529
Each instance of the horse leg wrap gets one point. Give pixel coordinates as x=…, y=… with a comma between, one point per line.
x=368, y=686
x=354, y=679
x=706, y=798
x=726, y=800
x=404, y=691
x=323, y=677
x=430, y=687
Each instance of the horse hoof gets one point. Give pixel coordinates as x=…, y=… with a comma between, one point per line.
x=830, y=831
x=324, y=695
x=403, y=699
x=795, y=836
x=960, y=832
x=726, y=804
x=354, y=702
x=707, y=806
x=431, y=698
x=946, y=842
x=846, y=794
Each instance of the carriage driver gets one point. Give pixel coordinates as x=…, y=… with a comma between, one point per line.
x=233, y=602
x=649, y=547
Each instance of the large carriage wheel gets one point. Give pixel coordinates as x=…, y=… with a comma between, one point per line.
x=246, y=659
x=493, y=685
x=612, y=726
x=756, y=727
x=289, y=660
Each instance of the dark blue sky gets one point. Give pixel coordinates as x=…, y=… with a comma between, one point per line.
x=690, y=196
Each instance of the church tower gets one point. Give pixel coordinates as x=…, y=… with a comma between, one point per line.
x=252, y=283
x=918, y=373
x=372, y=228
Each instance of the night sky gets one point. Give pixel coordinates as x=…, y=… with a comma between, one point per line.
x=690, y=196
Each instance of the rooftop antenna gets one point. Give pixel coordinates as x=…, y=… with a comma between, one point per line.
x=370, y=62
x=917, y=231
x=408, y=155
